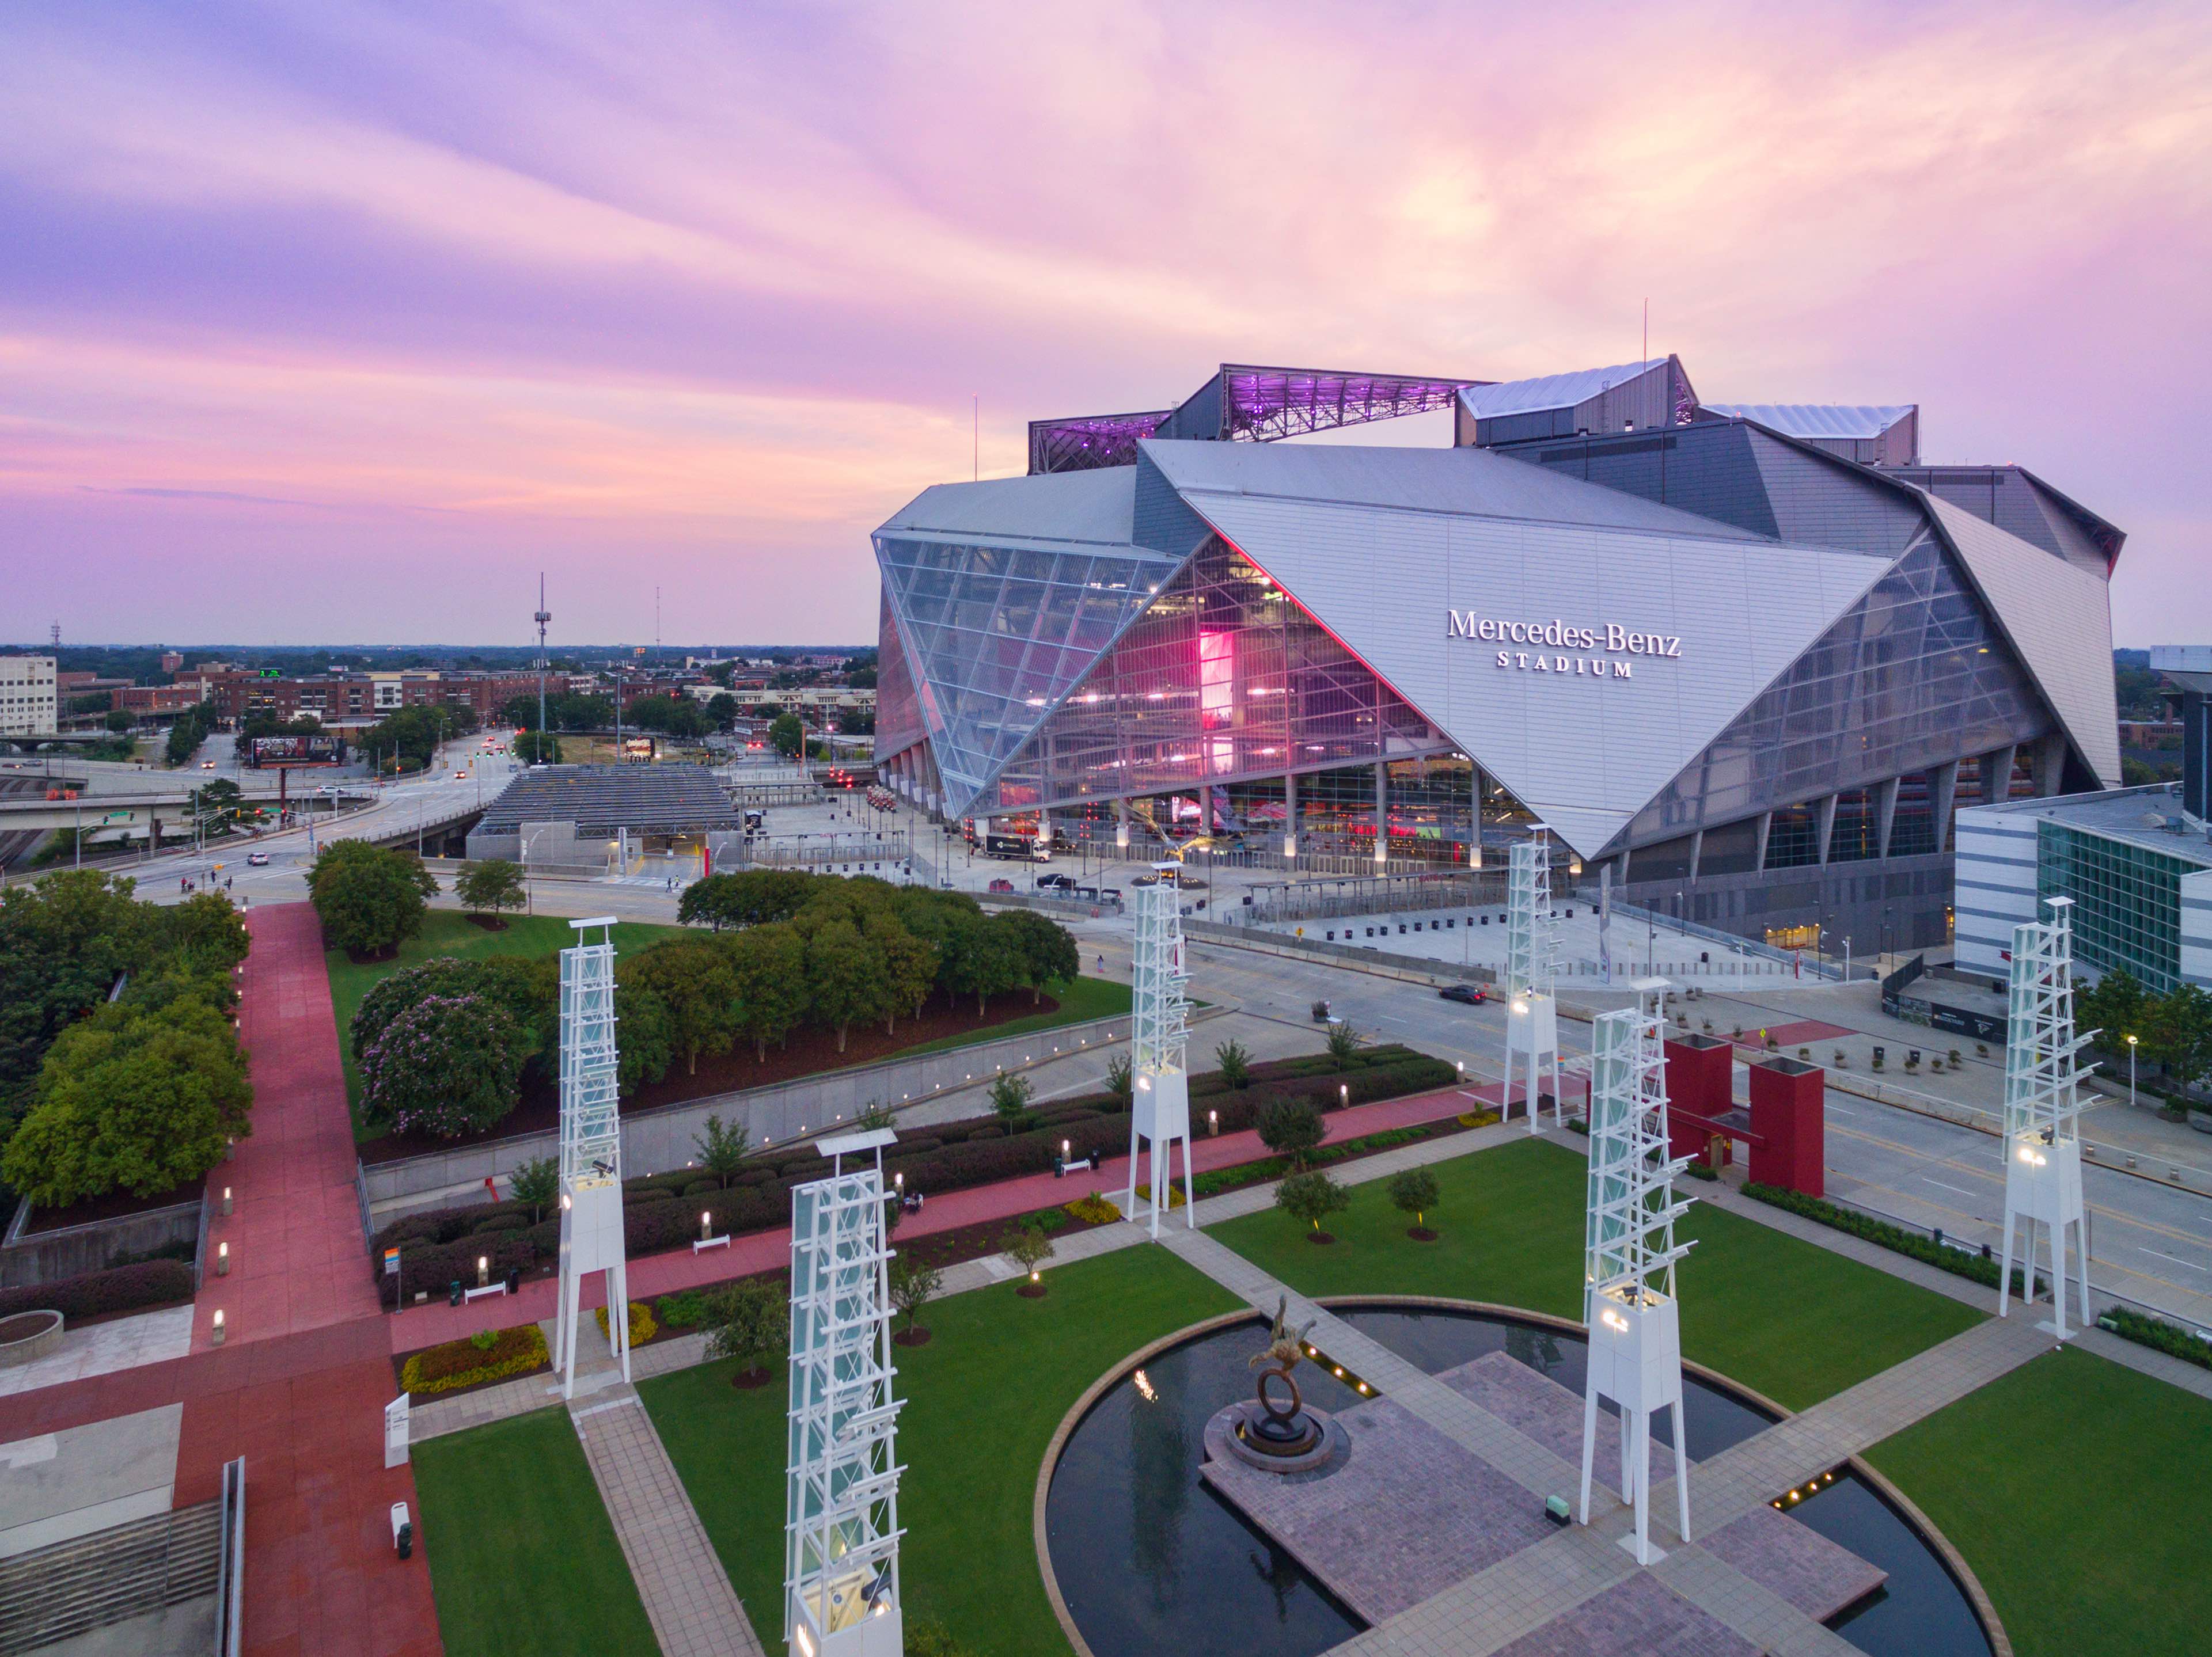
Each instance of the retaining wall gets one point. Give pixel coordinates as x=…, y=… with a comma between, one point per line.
x=50, y=1256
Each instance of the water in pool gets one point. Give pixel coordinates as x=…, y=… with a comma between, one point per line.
x=1150, y=1559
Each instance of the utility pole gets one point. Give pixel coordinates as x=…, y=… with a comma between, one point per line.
x=544, y=615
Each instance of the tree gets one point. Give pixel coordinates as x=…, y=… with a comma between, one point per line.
x=1312, y=1198
x=217, y=806
x=1043, y=951
x=750, y=1321
x=119, y=721
x=768, y=964
x=721, y=1149
x=1118, y=1079
x=2115, y=1005
x=788, y=734
x=1414, y=1192
x=370, y=900
x=528, y=988
x=694, y=978
x=912, y=1283
x=447, y=1066
x=713, y=901
x=648, y=1046
x=131, y=1099
x=536, y=1182
x=1010, y=1096
x=1344, y=1043
x=538, y=747
x=1291, y=1127
x=981, y=961
x=493, y=884
x=909, y=966
x=845, y=983
x=1235, y=1064
x=1027, y=1246
x=2179, y=1034
x=722, y=709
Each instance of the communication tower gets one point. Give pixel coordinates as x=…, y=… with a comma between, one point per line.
x=2043, y=1110
x=1532, y=965
x=1159, y=1088
x=591, y=1149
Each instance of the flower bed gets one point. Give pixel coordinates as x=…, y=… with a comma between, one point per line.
x=660, y=1211
x=99, y=1294
x=492, y=1355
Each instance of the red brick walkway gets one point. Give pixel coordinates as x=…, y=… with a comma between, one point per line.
x=766, y=1251
x=298, y=1388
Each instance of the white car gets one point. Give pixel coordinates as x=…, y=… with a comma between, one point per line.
x=257, y=859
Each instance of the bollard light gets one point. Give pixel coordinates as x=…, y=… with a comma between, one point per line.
x=898, y=1181
x=706, y=1225
x=1213, y=1121
x=226, y=1201
x=483, y=1271
x=216, y=1335
x=223, y=1259
x=1343, y=1093
x=1063, y=1150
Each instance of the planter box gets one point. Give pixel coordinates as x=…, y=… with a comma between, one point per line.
x=40, y=1334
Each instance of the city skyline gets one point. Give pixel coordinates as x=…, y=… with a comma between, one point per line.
x=341, y=327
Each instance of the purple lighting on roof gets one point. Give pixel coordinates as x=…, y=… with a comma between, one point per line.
x=1240, y=404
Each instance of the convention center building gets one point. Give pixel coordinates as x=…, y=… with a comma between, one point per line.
x=1754, y=657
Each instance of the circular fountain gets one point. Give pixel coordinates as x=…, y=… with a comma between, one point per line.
x=1276, y=1431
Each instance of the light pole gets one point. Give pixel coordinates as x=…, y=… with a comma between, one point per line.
x=2131, y=1072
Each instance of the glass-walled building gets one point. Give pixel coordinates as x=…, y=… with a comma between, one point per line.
x=1725, y=657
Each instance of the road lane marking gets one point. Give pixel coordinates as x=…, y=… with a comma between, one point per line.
x=2154, y=1254
x=1961, y=1190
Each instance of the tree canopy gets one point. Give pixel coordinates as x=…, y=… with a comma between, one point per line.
x=491, y=885
x=368, y=898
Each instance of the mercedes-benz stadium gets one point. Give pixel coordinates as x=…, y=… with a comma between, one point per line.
x=1754, y=656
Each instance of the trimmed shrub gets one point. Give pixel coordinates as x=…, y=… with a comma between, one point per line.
x=1865, y=1227
x=501, y=1223
x=119, y=1288
x=2158, y=1335
x=463, y=1363
x=683, y=1309
x=643, y=1328
x=709, y=1187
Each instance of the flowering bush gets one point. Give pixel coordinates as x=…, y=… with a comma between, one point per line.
x=643, y=1328
x=468, y=1363
x=445, y=1066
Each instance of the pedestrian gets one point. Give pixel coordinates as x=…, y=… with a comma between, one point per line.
x=1102, y=963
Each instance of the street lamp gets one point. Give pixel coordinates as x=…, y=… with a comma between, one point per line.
x=2131, y=1072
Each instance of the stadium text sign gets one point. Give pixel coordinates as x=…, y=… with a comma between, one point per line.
x=1611, y=638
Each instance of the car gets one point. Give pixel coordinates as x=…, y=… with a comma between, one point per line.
x=257, y=859
x=1473, y=995
x=1055, y=883
x=460, y=776
x=207, y=765
x=1002, y=885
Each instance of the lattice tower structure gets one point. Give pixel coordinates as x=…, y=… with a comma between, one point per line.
x=591, y=1146
x=1628, y=1249
x=840, y=1512
x=2043, y=1110
x=1532, y=936
x=1159, y=1096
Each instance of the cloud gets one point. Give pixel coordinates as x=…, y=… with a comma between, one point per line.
x=717, y=284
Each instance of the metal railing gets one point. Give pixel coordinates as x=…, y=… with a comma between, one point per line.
x=136, y=1568
x=230, y=1564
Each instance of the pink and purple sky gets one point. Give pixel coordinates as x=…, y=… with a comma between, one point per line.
x=336, y=323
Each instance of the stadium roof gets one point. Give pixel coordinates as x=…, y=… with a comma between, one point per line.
x=1551, y=390
x=602, y=799
x=1818, y=419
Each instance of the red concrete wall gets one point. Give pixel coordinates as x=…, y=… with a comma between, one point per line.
x=1699, y=1086
x=1789, y=1132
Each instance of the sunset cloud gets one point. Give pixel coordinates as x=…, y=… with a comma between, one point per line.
x=696, y=295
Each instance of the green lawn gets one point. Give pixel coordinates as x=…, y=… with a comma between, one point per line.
x=1080, y=1001
x=983, y=1400
x=447, y=932
x=2077, y=1491
x=1757, y=1305
x=521, y=1556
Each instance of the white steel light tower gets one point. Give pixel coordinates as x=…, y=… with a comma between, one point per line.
x=2043, y=1110
x=591, y=1149
x=1628, y=1288
x=840, y=1490
x=1531, y=1015
x=1159, y=1090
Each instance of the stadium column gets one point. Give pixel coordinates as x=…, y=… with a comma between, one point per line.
x=1121, y=825
x=1758, y=858
x=2050, y=765
x=1289, y=814
x=1884, y=814
x=1827, y=809
x=1382, y=812
x=1997, y=775
x=1942, y=790
x=1206, y=808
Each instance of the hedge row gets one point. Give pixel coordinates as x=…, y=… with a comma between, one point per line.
x=119, y=1288
x=2171, y=1339
x=661, y=1211
x=1978, y=1267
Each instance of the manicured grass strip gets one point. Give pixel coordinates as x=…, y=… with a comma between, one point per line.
x=984, y=1397
x=521, y=1554
x=2075, y=1489
x=1766, y=1310
x=446, y=931
x=1974, y=1267
x=1080, y=999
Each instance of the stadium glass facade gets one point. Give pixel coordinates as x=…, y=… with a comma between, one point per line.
x=1164, y=629
x=2127, y=901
